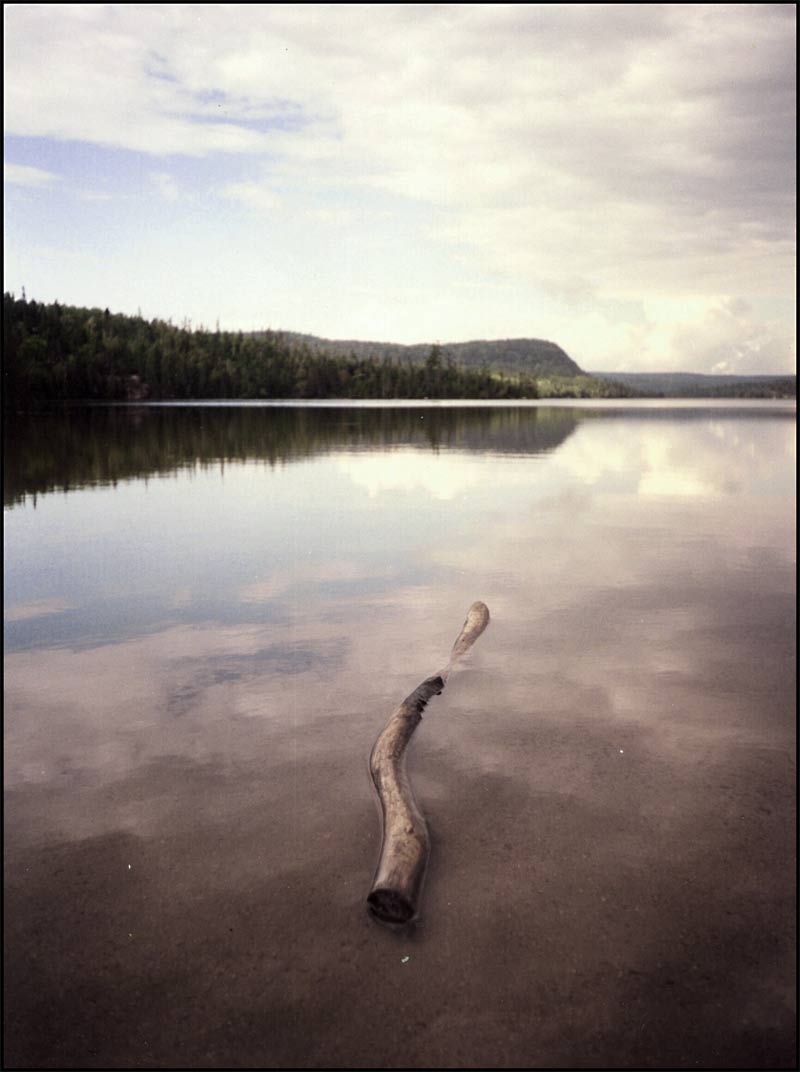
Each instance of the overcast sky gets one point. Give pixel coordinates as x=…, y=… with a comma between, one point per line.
x=618, y=178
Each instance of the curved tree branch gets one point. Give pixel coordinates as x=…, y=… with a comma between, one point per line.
x=394, y=895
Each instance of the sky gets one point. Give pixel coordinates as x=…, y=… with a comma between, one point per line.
x=617, y=178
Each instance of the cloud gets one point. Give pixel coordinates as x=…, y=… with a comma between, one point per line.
x=705, y=333
x=95, y=195
x=151, y=82
x=167, y=185
x=24, y=175
x=254, y=195
x=729, y=338
x=591, y=154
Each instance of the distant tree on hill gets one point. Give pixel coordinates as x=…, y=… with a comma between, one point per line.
x=55, y=352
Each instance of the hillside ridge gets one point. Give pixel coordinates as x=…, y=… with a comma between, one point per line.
x=519, y=356
x=705, y=384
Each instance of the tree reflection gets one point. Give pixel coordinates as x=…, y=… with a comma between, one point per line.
x=83, y=446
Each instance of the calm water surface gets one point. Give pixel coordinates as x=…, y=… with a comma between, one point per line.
x=210, y=613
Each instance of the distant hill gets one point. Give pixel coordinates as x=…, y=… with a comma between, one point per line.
x=58, y=352
x=517, y=357
x=699, y=385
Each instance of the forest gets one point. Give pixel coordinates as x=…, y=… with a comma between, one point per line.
x=700, y=385
x=57, y=352
x=54, y=351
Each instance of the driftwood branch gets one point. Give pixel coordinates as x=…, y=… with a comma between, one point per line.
x=394, y=895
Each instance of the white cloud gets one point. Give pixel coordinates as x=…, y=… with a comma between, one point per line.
x=167, y=185
x=728, y=337
x=24, y=175
x=95, y=195
x=256, y=196
x=587, y=154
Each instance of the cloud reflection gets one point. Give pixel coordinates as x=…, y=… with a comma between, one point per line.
x=682, y=460
x=105, y=710
x=608, y=773
x=614, y=569
x=36, y=608
x=442, y=476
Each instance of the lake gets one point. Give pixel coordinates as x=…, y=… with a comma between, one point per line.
x=212, y=610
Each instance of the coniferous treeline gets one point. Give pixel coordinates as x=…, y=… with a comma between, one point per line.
x=55, y=352
x=704, y=385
